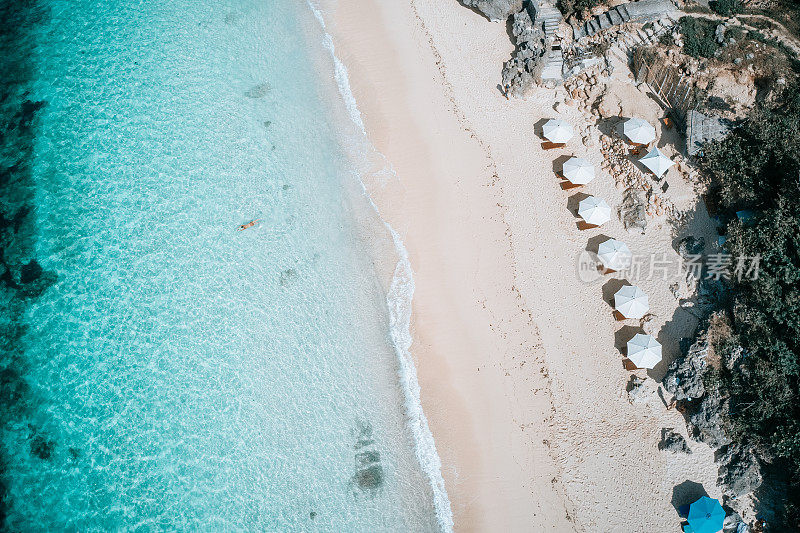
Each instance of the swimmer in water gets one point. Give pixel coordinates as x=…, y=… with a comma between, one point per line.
x=249, y=224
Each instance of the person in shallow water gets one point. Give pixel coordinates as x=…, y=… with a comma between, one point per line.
x=249, y=224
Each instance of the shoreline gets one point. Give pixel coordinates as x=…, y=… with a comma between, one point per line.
x=518, y=360
x=399, y=299
x=465, y=472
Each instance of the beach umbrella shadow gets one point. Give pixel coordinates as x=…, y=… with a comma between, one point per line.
x=684, y=494
x=574, y=200
x=610, y=289
x=623, y=335
x=537, y=128
x=593, y=244
x=558, y=165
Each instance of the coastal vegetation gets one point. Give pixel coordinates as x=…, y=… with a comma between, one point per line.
x=568, y=7
x=757, y=169
x=726, y=8
x=698, y=36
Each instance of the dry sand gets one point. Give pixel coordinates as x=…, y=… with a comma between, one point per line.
x=521, y=376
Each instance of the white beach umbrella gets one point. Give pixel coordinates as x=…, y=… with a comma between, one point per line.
x=631, y=302
x=644, y=351
x=578, y=170
x=656, y=161
x=615, y=254
x=557, y=131
x=639, y=131
x=594, y=211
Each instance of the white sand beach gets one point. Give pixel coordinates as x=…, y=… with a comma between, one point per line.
x=521, y=375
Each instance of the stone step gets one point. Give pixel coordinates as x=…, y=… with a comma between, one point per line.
x=577, y=31
x=615, y=17
x=623, y=12
x=619, y=52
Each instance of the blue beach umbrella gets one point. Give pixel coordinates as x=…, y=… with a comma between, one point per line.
x=706, y=516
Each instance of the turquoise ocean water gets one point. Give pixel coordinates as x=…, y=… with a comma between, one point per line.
x=161, y=370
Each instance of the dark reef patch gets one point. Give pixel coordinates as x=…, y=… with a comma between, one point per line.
x=41, y=446
x=22, y=277
x=288, y=276
x=369, y=476
x=30, y=272
x=258, y=91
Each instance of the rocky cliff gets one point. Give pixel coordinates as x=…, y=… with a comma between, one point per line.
x=520, y=73
x=495, y=10
x=705, y=409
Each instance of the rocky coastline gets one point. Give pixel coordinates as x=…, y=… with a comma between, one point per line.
x=580, y=53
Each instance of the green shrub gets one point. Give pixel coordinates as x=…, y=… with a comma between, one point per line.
x=726, y=8
x=758, y=167
x=568, y=7
x=737, y=33
x=666, y=39
x=698, y=36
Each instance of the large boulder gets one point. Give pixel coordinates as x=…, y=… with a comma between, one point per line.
x=706, y=422
x=691, y=247
x=610, y=105
x=719, y=33
x=733, y=523
x=521, y=72
x=495, y=10
x=522, y=27
x=739, y=471
x=637, y=390
x=632, y=211
x=517, y=82
x=684, y=377
x=672, y=441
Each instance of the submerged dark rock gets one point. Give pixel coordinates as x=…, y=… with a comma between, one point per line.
x=370, y=478
x=18, y=131
x=288, y=276
x=366, y=458
x=27, y=113
x=13, y=390
x=74, y=454
x=30, y=272
x=364, y=435
x=36, y=288
x=41, y=446
x=369, y=471
x=258, y=91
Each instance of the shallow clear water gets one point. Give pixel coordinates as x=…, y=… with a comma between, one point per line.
x=174, y=372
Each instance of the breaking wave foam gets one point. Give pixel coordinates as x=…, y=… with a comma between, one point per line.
x=399, y=300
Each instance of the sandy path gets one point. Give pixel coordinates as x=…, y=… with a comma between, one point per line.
x=521, y=381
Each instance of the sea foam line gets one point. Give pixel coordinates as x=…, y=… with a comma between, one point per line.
x=399, y=300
